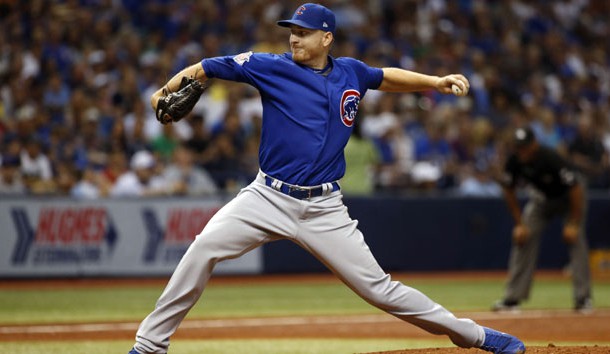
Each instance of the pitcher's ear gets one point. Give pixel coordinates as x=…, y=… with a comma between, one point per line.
x=328, y=39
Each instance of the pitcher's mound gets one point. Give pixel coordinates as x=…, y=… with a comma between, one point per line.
x=550, y=349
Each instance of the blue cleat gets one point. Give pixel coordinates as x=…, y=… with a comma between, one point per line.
x=133, y=351
x=502, y=343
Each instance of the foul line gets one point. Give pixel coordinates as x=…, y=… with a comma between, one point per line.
x=278, y=321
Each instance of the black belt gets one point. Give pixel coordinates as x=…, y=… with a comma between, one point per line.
x=299, y=192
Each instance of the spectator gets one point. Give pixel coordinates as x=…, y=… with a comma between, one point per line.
x=91, y=142
x=165, y=144
x=116, y=165
x=55, y=98
x=546, y=130
x=396, y=173
x=65, y=179
x=10, y=177
x=91, y=185
x=199, y=141
x=383, y=116
x=362, y=163
x=434, y=166
x=135, y=129
x=249, y=157
x=36, y=167
x=142, y=180
x=183, y=177
x=394, y=147
x=479, y=183
x=225, y=154
x=50, y=75
x=588, y=154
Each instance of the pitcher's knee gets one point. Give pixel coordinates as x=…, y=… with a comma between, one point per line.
x=383, y=296
x=208, y=242
x=216, y=248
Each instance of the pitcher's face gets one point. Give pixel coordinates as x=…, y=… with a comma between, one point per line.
x=307, y=45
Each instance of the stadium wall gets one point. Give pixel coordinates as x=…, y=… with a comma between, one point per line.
x=54, y=237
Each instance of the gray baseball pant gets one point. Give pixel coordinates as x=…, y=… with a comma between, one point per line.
x=537, y=214
x=322, y=226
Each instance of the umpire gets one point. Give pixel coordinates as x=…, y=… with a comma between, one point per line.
x=557, y=190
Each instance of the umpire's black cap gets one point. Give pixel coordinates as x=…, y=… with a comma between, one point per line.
x=523, y=137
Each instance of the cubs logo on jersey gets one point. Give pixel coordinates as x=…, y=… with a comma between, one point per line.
x=349, y=106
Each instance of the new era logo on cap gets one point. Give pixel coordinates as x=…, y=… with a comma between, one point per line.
x=312, y=16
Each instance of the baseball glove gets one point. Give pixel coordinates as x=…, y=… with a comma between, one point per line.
x=177, y=105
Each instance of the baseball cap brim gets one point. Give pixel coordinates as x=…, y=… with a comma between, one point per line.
x=287, y=23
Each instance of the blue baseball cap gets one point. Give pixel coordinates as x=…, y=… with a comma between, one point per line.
x=312, y=16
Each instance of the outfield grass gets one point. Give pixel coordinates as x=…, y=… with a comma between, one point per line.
x=254, y=346
x=294, y=298
x=288, y=346
x=267, y=299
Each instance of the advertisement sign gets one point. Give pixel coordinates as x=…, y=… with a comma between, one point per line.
x=63, y=237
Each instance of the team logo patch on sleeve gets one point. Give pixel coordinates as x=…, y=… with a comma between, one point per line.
x=349, y=106
x=242, y=58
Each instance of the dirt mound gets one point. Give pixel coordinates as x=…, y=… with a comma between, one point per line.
x=550, y=349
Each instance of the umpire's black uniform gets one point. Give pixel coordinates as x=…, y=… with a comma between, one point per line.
x=557, y=190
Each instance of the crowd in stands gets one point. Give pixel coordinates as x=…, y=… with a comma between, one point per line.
x=76, y=79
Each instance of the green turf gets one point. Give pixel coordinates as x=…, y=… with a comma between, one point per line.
x=250, y=346
x=474, y=295
x=287, y=346
x=295, y=298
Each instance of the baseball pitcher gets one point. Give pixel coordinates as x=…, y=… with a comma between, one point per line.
x=310, y=101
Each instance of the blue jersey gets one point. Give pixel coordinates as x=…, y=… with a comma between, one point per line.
x=307, y=117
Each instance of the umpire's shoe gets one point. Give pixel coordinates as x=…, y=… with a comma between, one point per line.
x=504, y=305
x=584, y=306
x=501, y=343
